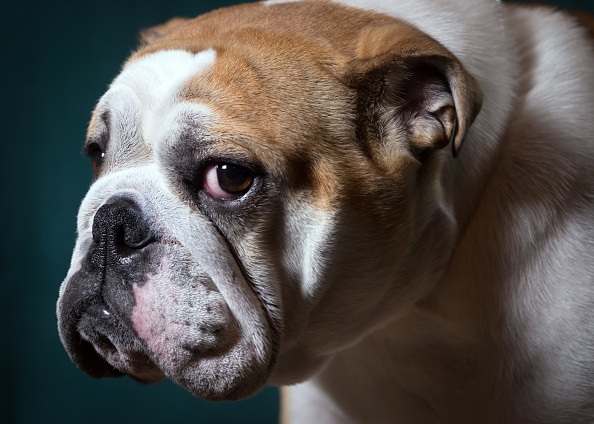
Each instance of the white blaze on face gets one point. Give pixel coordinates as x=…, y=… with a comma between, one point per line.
x=308, y=240
x=143, y=107
x=143, y=95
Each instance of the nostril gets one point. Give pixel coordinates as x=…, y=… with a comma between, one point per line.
x=133, y=236
x=121, y=227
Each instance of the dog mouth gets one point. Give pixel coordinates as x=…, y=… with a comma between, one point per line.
x=97, y=338
x=149, y=303
x=171, y=323
x=118, y=351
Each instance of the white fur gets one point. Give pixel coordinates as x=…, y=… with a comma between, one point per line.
x=147, y=89
x=308, y=231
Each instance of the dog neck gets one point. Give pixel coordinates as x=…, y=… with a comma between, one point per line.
x=420, y=369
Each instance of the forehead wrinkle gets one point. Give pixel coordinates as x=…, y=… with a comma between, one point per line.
x=233, y=84
x=252, y=143
x=233, y=90
x=157, y=80
x=220, y=134
x=240, y=95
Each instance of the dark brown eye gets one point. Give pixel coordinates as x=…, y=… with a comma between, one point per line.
x=227, y=181
x=97, y=155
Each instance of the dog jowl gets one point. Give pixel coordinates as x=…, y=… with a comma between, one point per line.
x=358, y=200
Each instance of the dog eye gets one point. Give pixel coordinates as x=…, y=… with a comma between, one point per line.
x=227, y=181
x=97, y=155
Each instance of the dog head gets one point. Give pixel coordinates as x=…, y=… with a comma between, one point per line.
x=263, y=174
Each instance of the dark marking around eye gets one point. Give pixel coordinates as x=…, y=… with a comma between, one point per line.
x=96, y=145
x=97, y=156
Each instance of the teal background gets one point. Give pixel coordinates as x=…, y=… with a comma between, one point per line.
x=57, y=58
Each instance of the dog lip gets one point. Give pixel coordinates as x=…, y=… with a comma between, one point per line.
x=273, y=326
x=71, y=309
x=98, y=310
x=85, y=356
x=91, y=333
x=115, y=346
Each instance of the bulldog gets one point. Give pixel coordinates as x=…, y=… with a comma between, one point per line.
x=386, y=207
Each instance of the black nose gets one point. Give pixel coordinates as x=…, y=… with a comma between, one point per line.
x=120, y=229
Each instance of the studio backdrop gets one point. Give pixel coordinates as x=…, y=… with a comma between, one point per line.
x=58, y=57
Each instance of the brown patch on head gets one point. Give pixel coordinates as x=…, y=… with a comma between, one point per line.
x=292, y=81
x=327, y=23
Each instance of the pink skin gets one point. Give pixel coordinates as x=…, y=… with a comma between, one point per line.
x=144, y=312
x=210, y=183
x=181, y=322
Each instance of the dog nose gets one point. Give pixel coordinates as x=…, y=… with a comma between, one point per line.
x=120, y=227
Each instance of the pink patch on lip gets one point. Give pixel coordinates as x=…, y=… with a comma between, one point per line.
x=148, y=306
x=180, y=315
x=154, y=317
x=143, y=310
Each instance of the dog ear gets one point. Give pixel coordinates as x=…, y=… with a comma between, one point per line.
x=149, y=35
x=410, y=88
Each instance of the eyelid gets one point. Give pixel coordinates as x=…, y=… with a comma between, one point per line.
x=90, y=148
x=96, y=153
x=252, y=166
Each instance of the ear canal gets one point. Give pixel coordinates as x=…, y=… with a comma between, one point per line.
x=440, y=102
x=411, y=81
x=427, y=109
x=150, y=35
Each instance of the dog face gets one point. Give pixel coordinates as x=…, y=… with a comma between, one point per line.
x=264, y=174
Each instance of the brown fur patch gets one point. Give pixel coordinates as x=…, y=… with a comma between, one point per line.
x=279, y=87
